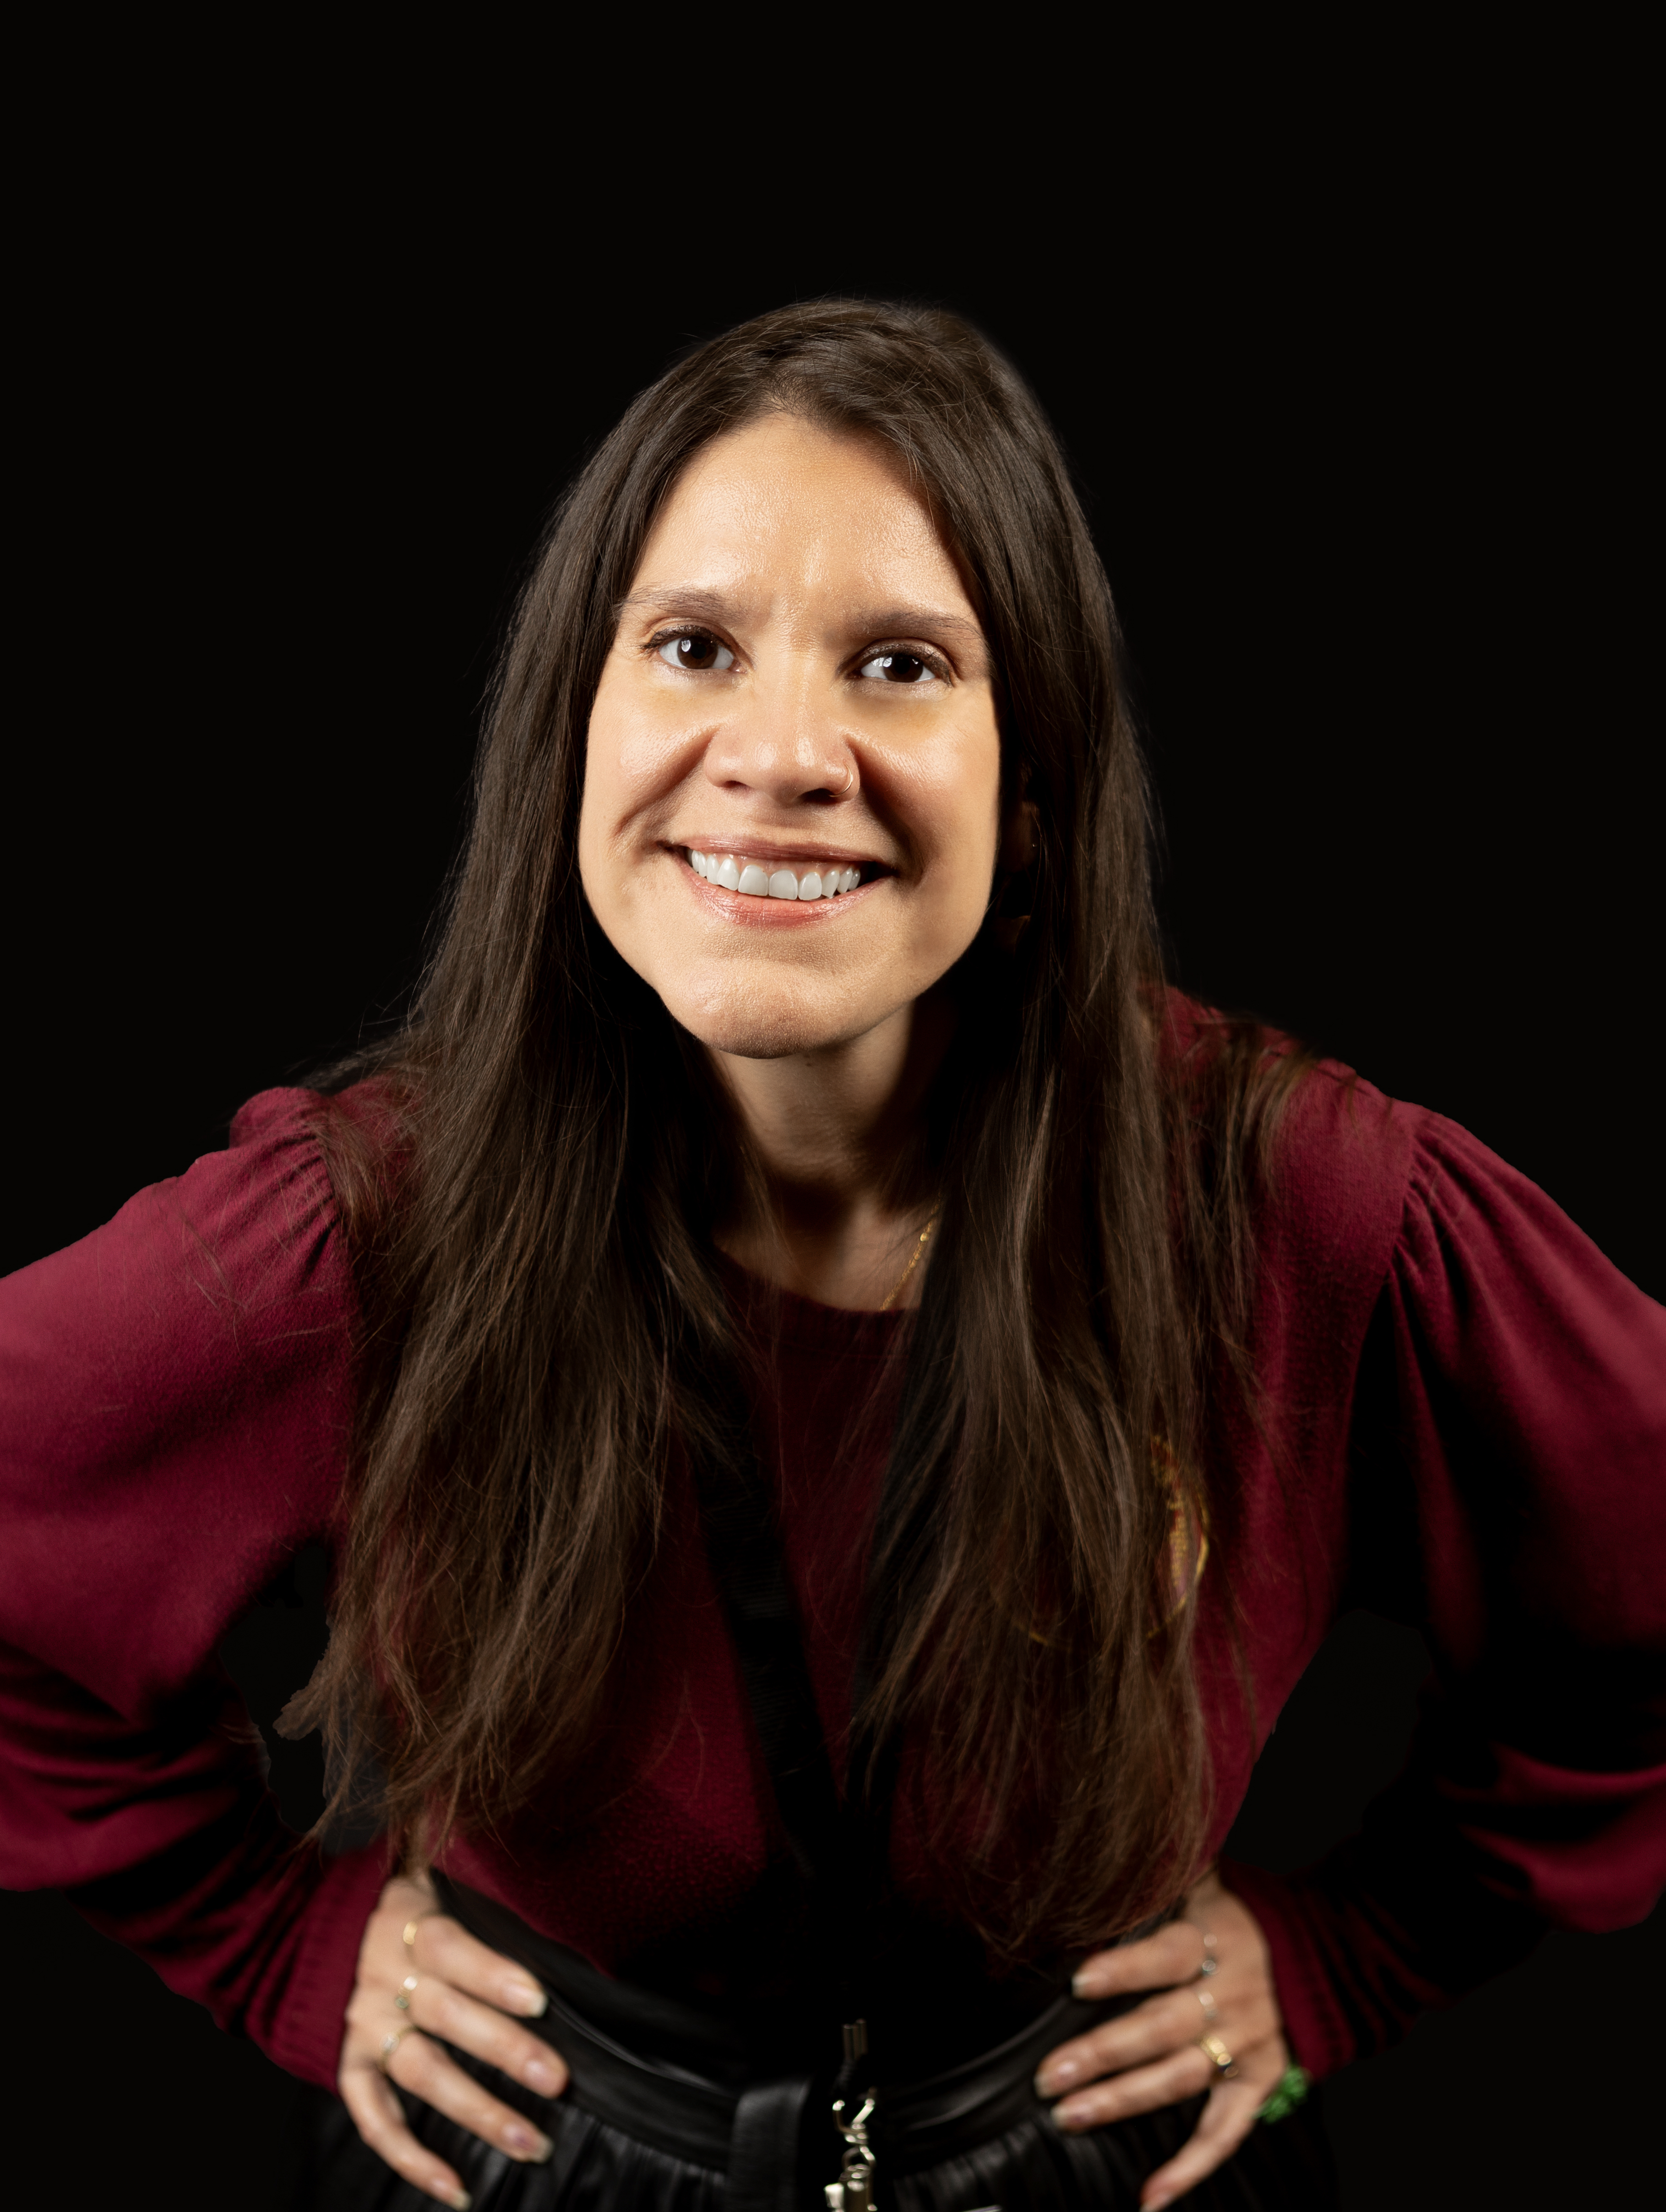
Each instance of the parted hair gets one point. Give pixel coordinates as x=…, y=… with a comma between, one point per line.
x=546, y=1335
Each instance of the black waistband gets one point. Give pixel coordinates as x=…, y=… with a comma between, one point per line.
x=701, y=2087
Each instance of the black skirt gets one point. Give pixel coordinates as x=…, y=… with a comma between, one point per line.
x=669, y=2109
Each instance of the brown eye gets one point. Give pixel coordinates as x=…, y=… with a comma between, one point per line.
x=697, y=650
x=897, y=668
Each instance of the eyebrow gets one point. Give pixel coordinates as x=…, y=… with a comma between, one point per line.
x=867, y=622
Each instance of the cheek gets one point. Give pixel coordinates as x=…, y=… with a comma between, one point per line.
x=960, y=807
x=591, y=838
x=606, y=746
x=638, y=752
x=619, y=764
x=603, y=805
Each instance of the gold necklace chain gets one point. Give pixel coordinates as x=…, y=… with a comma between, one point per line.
x=901, y=1285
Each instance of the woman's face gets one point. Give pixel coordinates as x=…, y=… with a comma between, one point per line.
x=799, y=694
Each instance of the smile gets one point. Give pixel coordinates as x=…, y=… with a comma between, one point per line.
x=735, y=873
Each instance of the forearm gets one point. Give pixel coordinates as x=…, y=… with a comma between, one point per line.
x=262, y=1929
x=1446, y=1887
x=166, y=1837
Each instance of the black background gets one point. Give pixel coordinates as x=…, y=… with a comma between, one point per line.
x=1364, y=472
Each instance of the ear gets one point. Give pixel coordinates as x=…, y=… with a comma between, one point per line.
x=1018, y=839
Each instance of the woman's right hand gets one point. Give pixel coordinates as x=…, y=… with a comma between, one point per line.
x=458, y=1989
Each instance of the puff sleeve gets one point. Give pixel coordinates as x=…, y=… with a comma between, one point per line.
x=1507, y=1495
x=176, y=1394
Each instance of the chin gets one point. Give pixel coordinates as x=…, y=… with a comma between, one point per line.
x=761, y=1020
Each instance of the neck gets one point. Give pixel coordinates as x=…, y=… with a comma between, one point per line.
x=842, y=1195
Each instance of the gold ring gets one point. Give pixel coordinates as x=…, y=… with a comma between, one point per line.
x=1226, y=2066
x=407, y=1989
x=411, y=1926
x=391, y=2043
x=1211, y=2009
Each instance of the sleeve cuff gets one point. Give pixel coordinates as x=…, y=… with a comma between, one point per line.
x=300, y=2022
x=1313, y=2026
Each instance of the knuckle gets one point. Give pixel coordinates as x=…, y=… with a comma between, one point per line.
x=380, y=2135
x=443, y=1940
x=1111, y=2099
x=1077, y=2057
x=1171, y=2076
x=530, y=2052
x=1205, y=2151
x=452, y=2013
x=428, y=2004
x=1234, y=2132
x=511, y=2051
x=487, y=2118
x=419, y=2064
x=1195, y=2164
x=1185, y=2017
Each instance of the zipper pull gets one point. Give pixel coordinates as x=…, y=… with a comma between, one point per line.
x=853, y=2191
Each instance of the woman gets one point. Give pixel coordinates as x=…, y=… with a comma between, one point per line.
x=844, y=1408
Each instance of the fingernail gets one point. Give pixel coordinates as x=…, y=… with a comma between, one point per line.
x=527, y=1999
x=1084, y=1985
x=539, y=2073
x=527, y=2141
x=1052, y=2078
x=1070, y=2117
x=459, y=2199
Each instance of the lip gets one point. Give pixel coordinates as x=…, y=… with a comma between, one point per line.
x=796, y=857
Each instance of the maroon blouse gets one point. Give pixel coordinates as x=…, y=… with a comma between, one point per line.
x=1471, y=1403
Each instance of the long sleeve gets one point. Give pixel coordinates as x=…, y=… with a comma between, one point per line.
x=1507, y=1494
x=176, y=1396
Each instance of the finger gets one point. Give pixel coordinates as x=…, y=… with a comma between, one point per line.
x=446, y=1949
x=1173, y=1954
x=440, y=2009
x=1227, y=2119
x=423, y=2067
x=380, y=2117
x=1150, y=2030
x=1182, y=2074
x=1178, y=2075
x=1242, y=2015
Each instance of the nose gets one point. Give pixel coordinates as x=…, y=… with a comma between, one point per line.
x=783, y=749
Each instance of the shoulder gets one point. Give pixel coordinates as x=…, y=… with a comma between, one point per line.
x=1341, y=1162
x=178, y=1391
x=1330, y=1158
x=202, y=1283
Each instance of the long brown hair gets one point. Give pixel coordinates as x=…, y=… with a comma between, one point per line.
x=541, y=1290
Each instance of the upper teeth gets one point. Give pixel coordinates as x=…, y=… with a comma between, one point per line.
x=733, y=875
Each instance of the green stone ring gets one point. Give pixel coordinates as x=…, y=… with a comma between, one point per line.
x=1293, y=2085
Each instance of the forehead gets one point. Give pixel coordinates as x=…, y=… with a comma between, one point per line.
x=808, y=509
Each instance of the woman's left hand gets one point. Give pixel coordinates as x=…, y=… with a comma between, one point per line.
x=1151, y=2056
